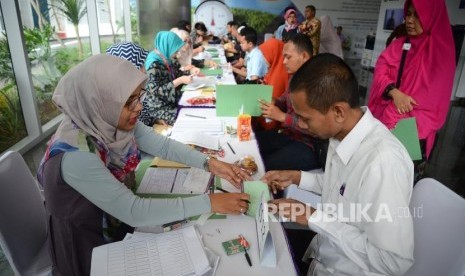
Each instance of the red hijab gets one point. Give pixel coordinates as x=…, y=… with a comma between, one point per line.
x=428, y=72
x=277, y=75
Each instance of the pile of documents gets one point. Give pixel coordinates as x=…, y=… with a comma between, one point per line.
x=179, y=252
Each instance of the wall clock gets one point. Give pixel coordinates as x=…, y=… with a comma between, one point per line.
x=215, y=15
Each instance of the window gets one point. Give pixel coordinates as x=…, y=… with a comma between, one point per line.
x=13, y=128
x=56, y=39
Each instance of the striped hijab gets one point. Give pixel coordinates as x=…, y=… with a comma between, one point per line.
x=130, y=52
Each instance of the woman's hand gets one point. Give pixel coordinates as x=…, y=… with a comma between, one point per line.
x=280, y=180
x=230, y=172
x=232, y=203
x=403, y=102
x=182, y=80
x=271, y=111
x=194, y=70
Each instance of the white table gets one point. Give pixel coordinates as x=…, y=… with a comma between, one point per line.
x=219, y=230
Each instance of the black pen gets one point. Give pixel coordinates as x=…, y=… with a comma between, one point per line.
x=245, y=245
x=227, y=192
x=229, y=145
x=195, y=116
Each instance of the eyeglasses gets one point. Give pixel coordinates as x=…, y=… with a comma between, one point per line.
x=133, y=101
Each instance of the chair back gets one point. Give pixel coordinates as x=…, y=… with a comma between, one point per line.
x=23, y=231
x=439, y=227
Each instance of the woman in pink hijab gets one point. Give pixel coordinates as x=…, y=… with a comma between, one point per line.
x=422, y=88
x=289, y=27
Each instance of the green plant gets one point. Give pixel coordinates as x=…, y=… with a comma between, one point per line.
x=74, y=11
x=11, y=117
x=256, y=19
x=65, y=58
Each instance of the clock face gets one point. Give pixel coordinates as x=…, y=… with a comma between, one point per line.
x=215, y=15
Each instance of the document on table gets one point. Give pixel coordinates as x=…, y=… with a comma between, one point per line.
x=179, y=252
x=198, y=138
x=174, y=180
x=210, y=126
x=259, y=196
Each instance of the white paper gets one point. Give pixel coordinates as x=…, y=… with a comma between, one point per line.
x=294, y=192
x=174, y=253
x=197, y=138
x=157, y=181
x=266, y=249
x=174, y=180
x=209, y=126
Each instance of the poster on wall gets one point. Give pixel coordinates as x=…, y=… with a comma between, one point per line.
x=356, y=19
x=263, y=16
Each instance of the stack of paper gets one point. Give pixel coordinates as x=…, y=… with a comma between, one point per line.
x=199, y=124
x=179, y=252
x=197, y=138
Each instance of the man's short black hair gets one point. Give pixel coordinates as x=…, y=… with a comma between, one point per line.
x=233, y=24
x=311, y=7
x=182, y=25
x=250, y=35
x=326, y=79
x=302, y=43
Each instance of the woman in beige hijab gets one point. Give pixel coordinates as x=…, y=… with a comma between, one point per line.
x=90, y=162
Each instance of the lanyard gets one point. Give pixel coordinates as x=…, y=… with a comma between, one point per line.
x=166, y=63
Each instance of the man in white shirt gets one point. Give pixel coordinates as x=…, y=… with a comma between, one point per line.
x=363, y=226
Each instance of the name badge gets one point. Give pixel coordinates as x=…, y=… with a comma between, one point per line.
x=406, y=46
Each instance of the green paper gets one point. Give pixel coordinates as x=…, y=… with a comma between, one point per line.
x=230, y=98
x=211, y=72
x=255, y=190
x=212, y=50
x=232, y=247
x=407, y=133
x=216, y=60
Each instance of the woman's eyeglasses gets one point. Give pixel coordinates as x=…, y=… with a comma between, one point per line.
x=135, y=100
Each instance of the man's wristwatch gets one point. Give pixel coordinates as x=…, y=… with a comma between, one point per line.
x=206, y=165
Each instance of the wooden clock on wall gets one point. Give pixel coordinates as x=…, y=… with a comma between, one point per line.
x=215, y=15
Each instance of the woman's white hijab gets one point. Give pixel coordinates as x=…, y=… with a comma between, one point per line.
x=92, y=96
x=184, y=56
x=329, y=40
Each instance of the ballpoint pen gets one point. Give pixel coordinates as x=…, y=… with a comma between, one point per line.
x=230, y=147
x=245, y=245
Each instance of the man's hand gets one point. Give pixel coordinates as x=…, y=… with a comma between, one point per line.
x=280, y=180
x=271, y=111
x=292, y=209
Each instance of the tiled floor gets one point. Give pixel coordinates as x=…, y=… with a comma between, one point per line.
x=447, y=162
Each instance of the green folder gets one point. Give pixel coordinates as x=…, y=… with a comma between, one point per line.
x=255, y=190
x=211, y=72
x=407, y=133
x=230, y=98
